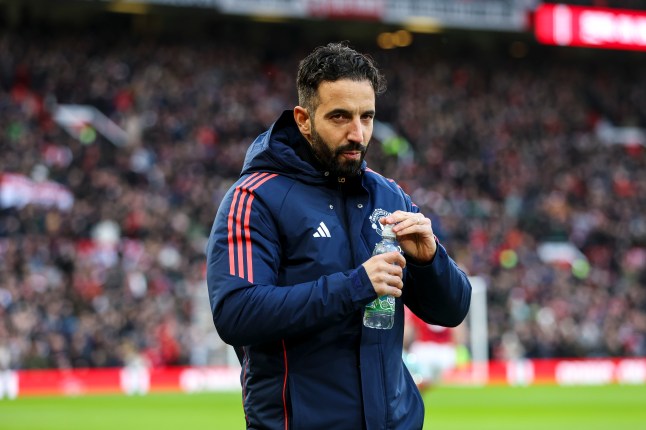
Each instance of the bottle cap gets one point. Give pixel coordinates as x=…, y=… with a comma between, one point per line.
x=387, y=231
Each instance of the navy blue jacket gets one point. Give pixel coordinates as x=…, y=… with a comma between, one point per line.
x=287, y=290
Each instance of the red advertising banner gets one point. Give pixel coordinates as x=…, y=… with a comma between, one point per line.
x=140, y=380
x=127, y=380
x=553, y=372
x=346, y=9
x=565, y=25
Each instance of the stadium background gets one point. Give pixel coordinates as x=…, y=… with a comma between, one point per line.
x=510, y=146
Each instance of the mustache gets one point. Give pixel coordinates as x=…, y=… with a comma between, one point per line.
x=353, y=146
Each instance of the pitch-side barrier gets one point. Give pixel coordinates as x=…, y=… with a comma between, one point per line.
x=140, y=381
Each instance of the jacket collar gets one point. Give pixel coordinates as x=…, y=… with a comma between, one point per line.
x=282, y=149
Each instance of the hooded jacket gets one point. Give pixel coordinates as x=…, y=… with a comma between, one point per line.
x=287, y=289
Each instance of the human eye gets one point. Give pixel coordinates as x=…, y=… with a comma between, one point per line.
x=338, y=117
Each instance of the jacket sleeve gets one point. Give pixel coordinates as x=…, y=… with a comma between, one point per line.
x=243, y=264
x=439, y=293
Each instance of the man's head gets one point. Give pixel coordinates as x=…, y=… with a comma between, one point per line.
x=336, y=91
x=331, y=63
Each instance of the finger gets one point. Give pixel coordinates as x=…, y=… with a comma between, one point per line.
x=397, y=282
x=416, y=223
x=395, y=292
x=419, y=219
x=387, y=284
x=388, y=272
x=394, y=258
x=405, y=219
x=392, y=285
x=395, y=217
x=412, y=221
x=394, y=271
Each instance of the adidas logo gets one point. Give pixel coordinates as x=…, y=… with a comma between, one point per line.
x=322, y=231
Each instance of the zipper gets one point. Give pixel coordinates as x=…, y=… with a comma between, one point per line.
x=344, y=217
x=343, y=204
x=382, y=367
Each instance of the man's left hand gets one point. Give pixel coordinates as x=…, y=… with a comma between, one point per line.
x=414, y=234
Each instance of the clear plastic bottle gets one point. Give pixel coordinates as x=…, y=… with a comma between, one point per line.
x=380, y=313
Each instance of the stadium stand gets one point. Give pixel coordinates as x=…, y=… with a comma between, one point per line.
x=509, y=153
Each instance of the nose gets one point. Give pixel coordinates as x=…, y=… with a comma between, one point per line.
x=355, y=131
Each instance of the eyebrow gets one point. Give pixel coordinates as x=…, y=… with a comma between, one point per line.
x=347, y=112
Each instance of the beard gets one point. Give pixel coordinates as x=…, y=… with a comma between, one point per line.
x=333, y=160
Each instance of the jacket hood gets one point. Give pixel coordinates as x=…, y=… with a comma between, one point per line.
x=275, y=151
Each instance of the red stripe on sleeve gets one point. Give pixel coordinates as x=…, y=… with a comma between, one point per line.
x=230, y=231
x=231, y=219
x=247, y=234
x=238, y=225
x=239, y=244
x=246, y=226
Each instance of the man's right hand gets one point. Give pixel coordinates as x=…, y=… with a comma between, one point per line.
x=385, y=272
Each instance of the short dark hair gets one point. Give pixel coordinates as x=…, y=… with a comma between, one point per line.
x=330, y=63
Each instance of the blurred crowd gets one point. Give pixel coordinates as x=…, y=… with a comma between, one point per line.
x=506, y=156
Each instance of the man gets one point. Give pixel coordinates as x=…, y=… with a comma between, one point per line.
x=289, y=264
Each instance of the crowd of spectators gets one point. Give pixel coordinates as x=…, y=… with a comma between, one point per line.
x=506, y=157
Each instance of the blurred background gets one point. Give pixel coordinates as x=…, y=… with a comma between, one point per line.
x=516, y=126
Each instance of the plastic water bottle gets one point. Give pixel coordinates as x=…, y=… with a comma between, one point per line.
x=380, y=313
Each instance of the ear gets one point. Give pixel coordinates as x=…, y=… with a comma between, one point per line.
x=302, y=118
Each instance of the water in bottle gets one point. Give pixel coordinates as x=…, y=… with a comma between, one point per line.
x=380, y=313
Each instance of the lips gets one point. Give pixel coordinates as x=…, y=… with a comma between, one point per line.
x=351, y=155
x=351, y=152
